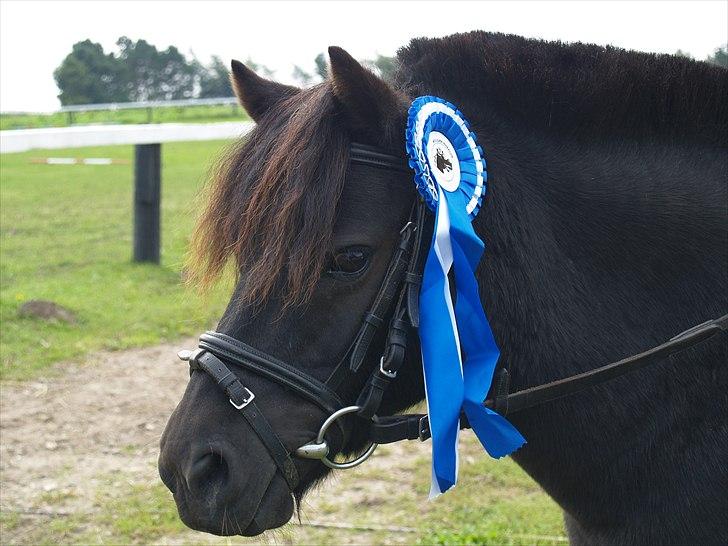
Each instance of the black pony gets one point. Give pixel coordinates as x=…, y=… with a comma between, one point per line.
x=605, y=229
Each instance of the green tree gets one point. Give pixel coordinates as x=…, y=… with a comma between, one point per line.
x=141, y=72
x=155, y=75
x=719, y=56
x=301, y=76
x=382, y=65
x=385, y=66
x=260, y=69
x=88, y=75
x=321, y=68
x=213, y=79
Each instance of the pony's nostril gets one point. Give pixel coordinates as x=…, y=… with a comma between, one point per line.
x=168, y=478
x=209, y=474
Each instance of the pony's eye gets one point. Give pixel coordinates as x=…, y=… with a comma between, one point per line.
x=349, y=262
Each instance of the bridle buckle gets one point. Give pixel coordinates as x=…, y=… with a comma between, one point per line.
x=424, y=428
x=189, y=356
x=245, y=402
x=386, y=373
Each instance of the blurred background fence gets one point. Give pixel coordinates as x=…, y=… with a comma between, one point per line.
x=147, y=140
x=149, y=107
x=199, y=110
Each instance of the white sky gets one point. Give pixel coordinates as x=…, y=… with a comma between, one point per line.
x=35, y=36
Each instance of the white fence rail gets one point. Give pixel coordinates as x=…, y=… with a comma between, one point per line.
x=147, y=140
x=148, y=104
x=21, y=140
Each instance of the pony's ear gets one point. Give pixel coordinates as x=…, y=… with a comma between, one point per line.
x=257, y=95
x=371, y=104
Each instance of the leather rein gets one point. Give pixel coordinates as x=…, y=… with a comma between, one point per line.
x=397, y=301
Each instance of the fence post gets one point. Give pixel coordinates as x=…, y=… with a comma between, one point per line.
x=147, y=182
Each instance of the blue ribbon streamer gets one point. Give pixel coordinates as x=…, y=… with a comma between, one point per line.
x=441, y=359
x=496, y=434
x=459, y=352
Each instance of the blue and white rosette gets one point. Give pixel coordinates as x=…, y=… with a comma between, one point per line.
x=459, y=353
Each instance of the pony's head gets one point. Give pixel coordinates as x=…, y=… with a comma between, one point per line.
x=310, y=235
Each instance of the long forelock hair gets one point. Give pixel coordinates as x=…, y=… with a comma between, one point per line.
x=272, y=200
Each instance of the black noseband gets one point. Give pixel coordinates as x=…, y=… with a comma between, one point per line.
x=247, y=357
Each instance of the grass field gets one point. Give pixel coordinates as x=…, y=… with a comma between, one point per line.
x=66, y=235
x=189, y=114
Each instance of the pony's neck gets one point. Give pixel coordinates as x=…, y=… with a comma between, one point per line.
x=594, y=253
x=626, y=236
x=604, y=225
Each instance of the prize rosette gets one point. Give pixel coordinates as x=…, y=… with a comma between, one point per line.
x=459, y=353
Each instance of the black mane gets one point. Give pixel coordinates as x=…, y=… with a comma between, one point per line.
x=572, y=90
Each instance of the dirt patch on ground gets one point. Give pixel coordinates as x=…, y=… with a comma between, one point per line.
x=96, y=426
x=63, y=438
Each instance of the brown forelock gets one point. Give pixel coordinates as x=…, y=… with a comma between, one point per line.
x=272, y=202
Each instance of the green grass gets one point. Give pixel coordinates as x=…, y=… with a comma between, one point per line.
x=8, y=522
x=144, y=513
x=494, y=504
x=188, y=114
x=66, y=236
x=131, y=514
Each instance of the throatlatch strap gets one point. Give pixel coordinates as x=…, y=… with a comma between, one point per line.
x=242, y=398
x=391, y=361
x=386, y=295
x=413, y=279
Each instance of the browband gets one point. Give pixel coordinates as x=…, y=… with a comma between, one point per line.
x=375, y=157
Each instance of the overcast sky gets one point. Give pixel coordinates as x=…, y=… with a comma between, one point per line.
x=35, y=36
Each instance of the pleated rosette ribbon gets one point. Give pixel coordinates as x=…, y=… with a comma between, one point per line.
x=459, y=353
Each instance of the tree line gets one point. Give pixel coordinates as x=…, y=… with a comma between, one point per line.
x=138, y=71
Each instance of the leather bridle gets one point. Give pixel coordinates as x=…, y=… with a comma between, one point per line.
x=396, y=301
